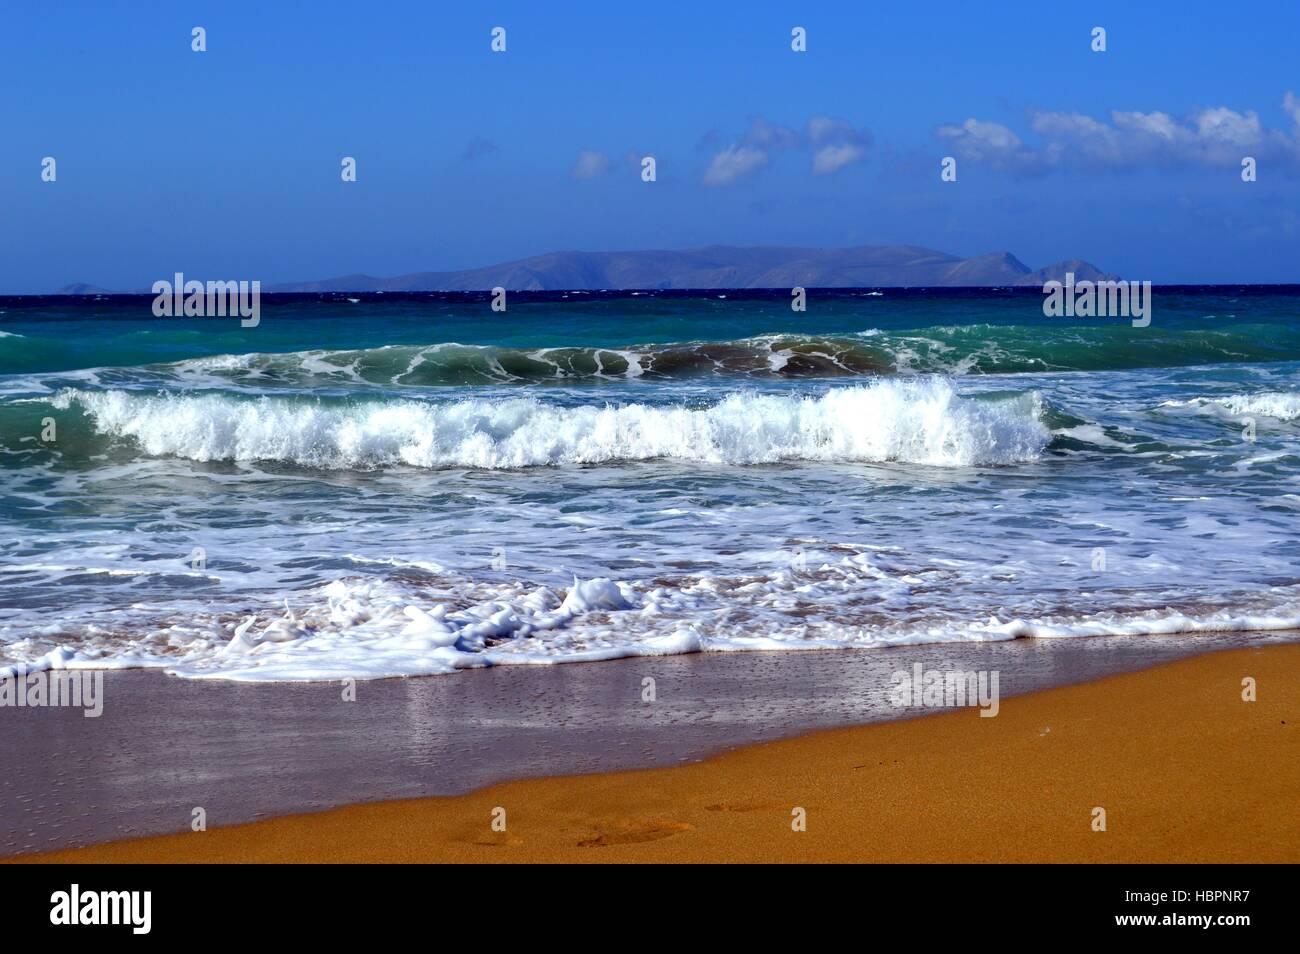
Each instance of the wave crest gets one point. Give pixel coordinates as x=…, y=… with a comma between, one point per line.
x=921, y=421
x=1281, y=405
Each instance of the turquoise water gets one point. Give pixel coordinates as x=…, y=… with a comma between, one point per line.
x=980, y=332
x=378, y=485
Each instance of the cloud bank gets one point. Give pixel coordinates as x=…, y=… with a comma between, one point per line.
x=1215, y=137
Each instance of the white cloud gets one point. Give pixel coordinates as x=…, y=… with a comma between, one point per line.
x=986, y=142
x=1291, y=106
x=1225, y=126
x=830, y=129
x=830, y=159
x=590, y=164
x=750, y=153
x=1160, y=125
x=834, y=144
x=1214, y=137
x=767, y=135
x=733, y=162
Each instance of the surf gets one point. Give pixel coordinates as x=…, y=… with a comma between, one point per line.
x=923, y=421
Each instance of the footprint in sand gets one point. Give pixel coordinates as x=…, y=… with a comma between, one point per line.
x=652, y=832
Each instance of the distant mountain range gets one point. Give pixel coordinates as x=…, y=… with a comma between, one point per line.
x=717, y=266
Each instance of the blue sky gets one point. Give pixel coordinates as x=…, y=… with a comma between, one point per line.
x=225, y=164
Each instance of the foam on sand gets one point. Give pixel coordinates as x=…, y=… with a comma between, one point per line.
x=371, y=629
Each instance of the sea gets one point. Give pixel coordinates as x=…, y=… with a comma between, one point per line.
x=379, y=485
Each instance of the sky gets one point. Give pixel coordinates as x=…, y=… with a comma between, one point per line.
x=225, y=164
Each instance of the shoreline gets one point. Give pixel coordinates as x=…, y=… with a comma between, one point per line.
x=1186, y=770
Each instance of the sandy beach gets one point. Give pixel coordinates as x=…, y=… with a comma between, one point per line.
x=1185, y=769
x=612, y=437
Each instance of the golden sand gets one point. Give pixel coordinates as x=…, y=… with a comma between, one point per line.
x=1185, y=769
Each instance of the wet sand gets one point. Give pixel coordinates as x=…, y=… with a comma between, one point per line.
x=1185, y=769
x=242, y=752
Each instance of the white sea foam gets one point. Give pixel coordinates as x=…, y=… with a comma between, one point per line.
x=917, y=421
x=368, y=629
x=1282, y=405
x=390, y=571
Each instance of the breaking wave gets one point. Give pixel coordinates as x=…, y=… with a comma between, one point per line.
x=1282, y=405
x=919, y=421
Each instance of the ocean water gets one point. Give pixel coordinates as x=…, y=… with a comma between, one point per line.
x=382, y=485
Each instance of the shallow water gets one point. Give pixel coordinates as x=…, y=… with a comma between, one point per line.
x=405, y=485
x=246, y=751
